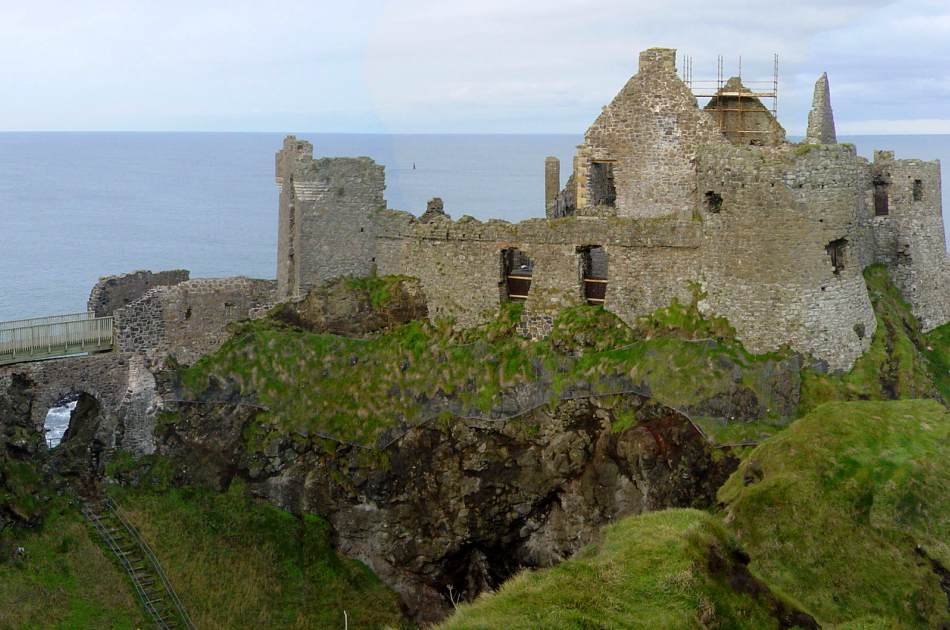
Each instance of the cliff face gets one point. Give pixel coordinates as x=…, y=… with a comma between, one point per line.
x=454, y=508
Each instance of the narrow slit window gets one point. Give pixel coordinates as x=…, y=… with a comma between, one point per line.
x=881, y=202
x=836, y=251
x=602, y=188
x=918, y=190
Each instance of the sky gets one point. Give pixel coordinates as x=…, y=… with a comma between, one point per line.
x=444, y=66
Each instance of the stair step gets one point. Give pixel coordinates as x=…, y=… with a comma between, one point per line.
x=119, y=537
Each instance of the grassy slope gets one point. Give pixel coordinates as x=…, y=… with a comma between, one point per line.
x=650, y=571
x=64, y=580
x=844, y=497
x=937, y=351
x=831, y=512
x=355, y=389
x=237, y=563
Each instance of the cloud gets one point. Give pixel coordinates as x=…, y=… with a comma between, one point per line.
x=440, y=65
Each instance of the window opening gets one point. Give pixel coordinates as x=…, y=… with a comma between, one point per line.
x=918, y=190
x=881, y=204
x=603, y=190
x=593, y=261
x=713, y=201
x=836, y=250
x=518, y=269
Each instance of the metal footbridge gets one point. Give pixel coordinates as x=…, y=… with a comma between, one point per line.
x=40, y=338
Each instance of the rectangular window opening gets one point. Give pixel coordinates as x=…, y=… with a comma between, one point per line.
x=593, y=261
x=881, y=202
x=602, y=188
x=918, y=190
x=836, y=250
x=518, y=269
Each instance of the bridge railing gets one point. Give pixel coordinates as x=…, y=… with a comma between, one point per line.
x=59, y=335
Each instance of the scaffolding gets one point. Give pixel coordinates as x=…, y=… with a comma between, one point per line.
x=732, y=101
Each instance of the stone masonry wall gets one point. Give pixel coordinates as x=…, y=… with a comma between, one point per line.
x=766, y=263
x=190, y=319
x=121, y=383
x=909, y=240
x=460, y=262
x=140, y=326
x=114, y=292
x=649, y=134
x=325, y=228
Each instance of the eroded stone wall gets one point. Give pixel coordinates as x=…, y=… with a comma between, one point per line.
x=766, y=262
x=189, y=319
x=910, y=238
x=461, y=269
x=649, y=135
x=325, y=228
x=121, y=383
x=115, y=292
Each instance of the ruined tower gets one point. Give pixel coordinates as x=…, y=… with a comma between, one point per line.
x=326, y=225
x=821, y=120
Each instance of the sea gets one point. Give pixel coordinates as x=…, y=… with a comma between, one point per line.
x=77, y=206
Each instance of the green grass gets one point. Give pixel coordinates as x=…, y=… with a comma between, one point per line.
x=379, y=288
x=64, y=579
x=892, y=368
x=650, y=571
x=937, y=351
x=239, y=563
x=832, y=510
x=358, y=389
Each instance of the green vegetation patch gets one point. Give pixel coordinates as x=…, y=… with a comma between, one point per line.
x=356, y=390
x=937, y=351
x=833, y=510
x=668, y=569
x=893, y=367
x=381, y=289
x=239, y=563
x=57, y=576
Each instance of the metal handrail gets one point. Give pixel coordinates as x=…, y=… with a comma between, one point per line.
x=82, y=333
x=117, y=551
x=49, y=319
x=137, y=538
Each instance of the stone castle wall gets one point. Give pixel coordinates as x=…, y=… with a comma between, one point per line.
x=114, y=292
x=648, y=135
x=766, y=263
x=324, y=229
x=910, y=238
x=189, y=319
x=461, y=269
x=121, y=383
x=776, y=235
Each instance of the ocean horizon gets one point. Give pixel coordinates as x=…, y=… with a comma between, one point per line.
x=75, y=206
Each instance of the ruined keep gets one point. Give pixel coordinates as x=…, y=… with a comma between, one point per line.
x=665, y=198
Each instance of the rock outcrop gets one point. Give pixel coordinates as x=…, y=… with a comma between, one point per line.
x=460, y=504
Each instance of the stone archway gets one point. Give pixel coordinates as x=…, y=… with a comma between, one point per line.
x=86, y=438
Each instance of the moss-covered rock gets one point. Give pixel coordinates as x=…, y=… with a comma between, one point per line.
x=356, y=306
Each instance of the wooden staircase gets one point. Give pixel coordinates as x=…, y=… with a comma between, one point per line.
x=150, y=582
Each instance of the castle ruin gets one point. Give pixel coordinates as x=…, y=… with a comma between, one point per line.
x=664, y=197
